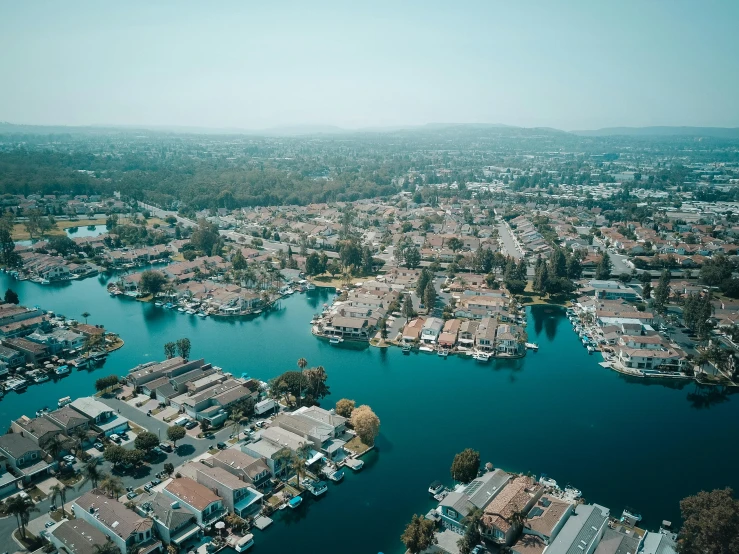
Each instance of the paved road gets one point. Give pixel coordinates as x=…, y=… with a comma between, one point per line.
x=509, y=243
x=163, y=214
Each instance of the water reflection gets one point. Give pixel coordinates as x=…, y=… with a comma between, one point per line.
x=707, y=396
x=546, y=318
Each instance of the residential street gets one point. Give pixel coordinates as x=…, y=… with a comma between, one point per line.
x=187, y=448
x=509, y=243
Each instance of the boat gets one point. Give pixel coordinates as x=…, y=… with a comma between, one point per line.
x=444, y=352
x=336, y=340
x=169, y=305
x=547, y=482
x=435, y=488
x=481, y=356
x=337, y=476
x=311, y=286
x=406, y=349
x=181, y=309
x=244, y=543
x=295, y=501
x=630, y=518
x=591, y=349
x=202, y=314
x=158, y=304
x=532, y=346
x=62, y=370
x=425, y=349
x=16, y=384
x=190, y=312
x=572, y=492
x=41, y=378
x=316, y=488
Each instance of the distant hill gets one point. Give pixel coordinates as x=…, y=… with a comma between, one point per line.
x=717, y=132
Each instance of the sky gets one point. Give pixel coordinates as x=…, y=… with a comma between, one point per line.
x=567, y=64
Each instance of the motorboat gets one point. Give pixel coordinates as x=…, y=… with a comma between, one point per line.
x=62, y=370
x=158, y=304
x=547, y=482
x=337, y=476
x=16, y=384
x=425, y=349
x=573, y=492
x=244, y=543
x=444, y=352
x=190, y=312
x=591, y=349
x=295, y=501
x=435, y=488
x=336, y=340
x=532, y=346
x=406, y=349
x=316, y=488
x=481, y=356
x=41, y=378
x=202, y=315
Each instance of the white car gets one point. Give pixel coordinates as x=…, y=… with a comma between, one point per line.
x=69, y=459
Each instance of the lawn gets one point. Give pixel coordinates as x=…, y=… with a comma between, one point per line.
x=357, y=446
x=30, y=543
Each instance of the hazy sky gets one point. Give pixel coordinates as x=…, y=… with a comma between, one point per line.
x=558, y=63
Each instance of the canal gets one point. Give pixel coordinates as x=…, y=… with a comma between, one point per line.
x=623, y=442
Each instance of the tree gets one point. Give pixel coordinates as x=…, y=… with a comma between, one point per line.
x=366, y=424
x=662, y=292
x=146, y=441
x=345, y=407
x=59, y=491
x=313, y=264
x=92, y=473
x=11, y=297
x=646, y=285
x=152, y=282
x=472, y=534
x=183, y=348
x=238, y=262
x=169, y=468
x=21, y=508
x=454, y=244
x=604, y=267
x=112, y=485
x=134, y=457
x=429, y=296
x=170, y=349
x=710, y=523
x=315, y=383
x=408, y=311
x=62, y=244
x=419, y=534
x=412, y=257
x=716, y=270
x=283, y=461
x=8, y=256
x=383, y=329
x=423, y=280
x=85, y=315
x=465, y=466
x=114, y=454
x=106, y=383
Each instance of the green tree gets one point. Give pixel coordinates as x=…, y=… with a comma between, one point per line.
x=113, y=485
x=472, y=531
x=170, y=349
x=183, y=348
x=662, y=292
x=85, y=315
x=412, y=257
x=11, y=297
x=429, y=296
x=454, y=244
x=106, y=383
x=114, y=454
x=169, y=468
x=710, y=523
x=146, y=441
x=91, y=473
x=175, y=433
x=419, y=534
x=408, y=311
x=152, y=282
x=8, y=256
x=238, y=262
x=604, y=267
x=21, y=508
x=134, y=457
x=465, y=466
x=59, y=491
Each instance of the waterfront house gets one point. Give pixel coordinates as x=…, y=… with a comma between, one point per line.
x=250, y=469
x=547, y=517
x=457, y=505
x=617, y=539
x=528, y=544
x=8, y=481
x=33, y=352
x=76, y=537
x=612, y=290
x=467, y=333
x=238, y=497
x=266, y=451
x=508, y=341
x=12, y=358
x=102, y=417
x=477, y=306
x=124, y=527
x=24, y=456
x=485, y=335
x=448, y=336
x=659, y=543
x=40, y=430
x=519, y=495
x=169, y=368
x=69, y=420
x=320, y=427
x=206, y=505
x=12, y=313
x=412, y=330
x=582, y=532
x=431, y=329
x=358, y=328
x=174, y=524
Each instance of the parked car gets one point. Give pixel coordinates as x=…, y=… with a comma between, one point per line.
x=131, y=495
x=115, y=438
x=167, y=447
x=100, y=446
x=49, y=524
x=148, y=487
x=222, y=445
x=191, y=425
x=69, y=459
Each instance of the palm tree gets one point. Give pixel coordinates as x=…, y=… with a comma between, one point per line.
x=299, y=465
x=21, y=508
x=59, y=491
x=79, y=436
x=54, y=447
x=283, y=459
x=85, y=315
x=302, y=363
x=113, y=486
x=108, y=547
x=91, y=472
x=236, y=416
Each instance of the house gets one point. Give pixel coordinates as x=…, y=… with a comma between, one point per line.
x=32, y=351
x=350, y=327
x=40, y=430
x=174, y=524
x=448, y=336
x=507, y=340
x=485, y=335
x=618, y=539
x=547, y=517
x=412, y=330
x=103, y=418
x=198, y=499
x=319, y=426
x=69, y=420
x=24, y=456
x=457, y=505
x=266, y=451
x=238, y=497
x=659, y=543
x=12, y=358
x=8, y=481
x=613, y=290
x=519, y=495
x=249, y=469
x=431, y=329
x=124, y=527
x=76, y=537
x=467, y=333
x=582, y=532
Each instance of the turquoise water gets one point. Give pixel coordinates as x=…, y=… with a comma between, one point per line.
x=622, y=442
x=83, y=231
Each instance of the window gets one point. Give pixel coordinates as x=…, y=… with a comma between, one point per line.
x=499, y=534
x=451, y=513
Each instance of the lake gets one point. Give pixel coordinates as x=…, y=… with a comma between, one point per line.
x=84, y=231
x=622, y=441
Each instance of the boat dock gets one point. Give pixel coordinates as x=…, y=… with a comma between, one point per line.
x=354, y=463
x=262, y=522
